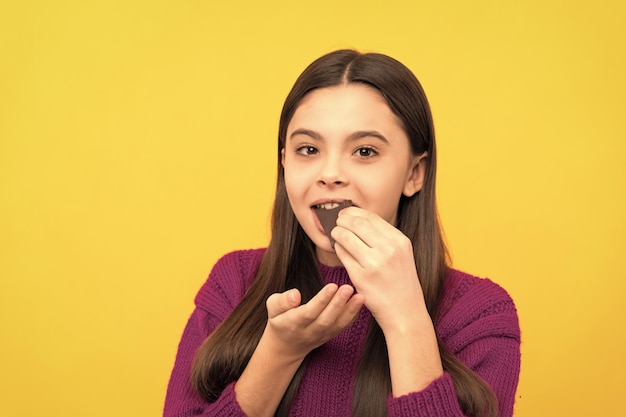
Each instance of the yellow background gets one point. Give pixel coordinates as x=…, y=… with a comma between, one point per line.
x=137, y=146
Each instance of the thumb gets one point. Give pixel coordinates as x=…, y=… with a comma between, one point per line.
x=278, y=303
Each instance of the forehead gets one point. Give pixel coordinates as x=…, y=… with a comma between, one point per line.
x=346, y=106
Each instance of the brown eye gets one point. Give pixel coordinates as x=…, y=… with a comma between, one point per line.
x=306, y=150
x=365, y=152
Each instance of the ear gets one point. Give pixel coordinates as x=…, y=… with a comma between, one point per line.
x=417, y=172
x=282, y=157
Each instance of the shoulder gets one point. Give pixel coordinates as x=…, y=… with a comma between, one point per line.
x=243, y=263
x=462, y=290
x=473, y=308
x=230, y=278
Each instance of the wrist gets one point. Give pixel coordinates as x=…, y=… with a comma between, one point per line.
x=405, y=322
x=276, y=348
x=414, y=357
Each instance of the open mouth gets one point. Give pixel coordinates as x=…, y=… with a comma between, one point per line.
x=327, y=214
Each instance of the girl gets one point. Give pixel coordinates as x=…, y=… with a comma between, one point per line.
x=376, y=324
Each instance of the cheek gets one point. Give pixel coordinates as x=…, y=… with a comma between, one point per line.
x=297, y=176
x=383, y=192
x=385, y=182
x=289, y=176
x=293, y=183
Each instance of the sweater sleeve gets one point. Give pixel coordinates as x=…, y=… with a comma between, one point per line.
x=481, y=328
x=215, y=300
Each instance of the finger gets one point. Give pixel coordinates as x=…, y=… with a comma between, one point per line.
x=351, y=311
x=310, y=311
x=367, y=226
x=342, y=309
x=281, y=302
x=353, y=267
x=351, y=250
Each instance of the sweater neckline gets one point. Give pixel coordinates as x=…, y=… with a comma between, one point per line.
x=334, y=274
x=327, y=268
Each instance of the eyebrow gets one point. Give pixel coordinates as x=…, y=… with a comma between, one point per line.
x=353, y=136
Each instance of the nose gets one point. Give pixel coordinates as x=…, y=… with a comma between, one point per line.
x=331, y=172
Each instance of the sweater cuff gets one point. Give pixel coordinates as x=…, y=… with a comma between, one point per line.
x=227, y=405
x=439, y=399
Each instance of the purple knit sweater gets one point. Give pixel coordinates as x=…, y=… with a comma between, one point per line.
x=479, y=324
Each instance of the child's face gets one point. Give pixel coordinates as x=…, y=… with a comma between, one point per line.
x=345, y=143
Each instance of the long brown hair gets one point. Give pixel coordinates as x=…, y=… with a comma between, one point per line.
x=289, y=261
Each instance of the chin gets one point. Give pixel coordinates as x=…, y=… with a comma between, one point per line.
x=327, y=256
x=323, y=245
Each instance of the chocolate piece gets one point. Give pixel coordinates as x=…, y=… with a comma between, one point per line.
x=328, y=218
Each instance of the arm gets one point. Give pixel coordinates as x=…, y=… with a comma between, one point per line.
x=481, y=327
x=293, y=330
x=379, y=259
x=495, y=358
x=482, y=330
x=181, y=399
x=223, y=289
x=380, y=262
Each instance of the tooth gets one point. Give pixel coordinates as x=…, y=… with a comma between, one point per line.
x=328, y=206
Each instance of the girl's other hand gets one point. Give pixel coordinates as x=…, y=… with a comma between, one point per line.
x=294, y=330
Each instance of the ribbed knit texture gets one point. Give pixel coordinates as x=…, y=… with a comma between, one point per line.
x=478, y=323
